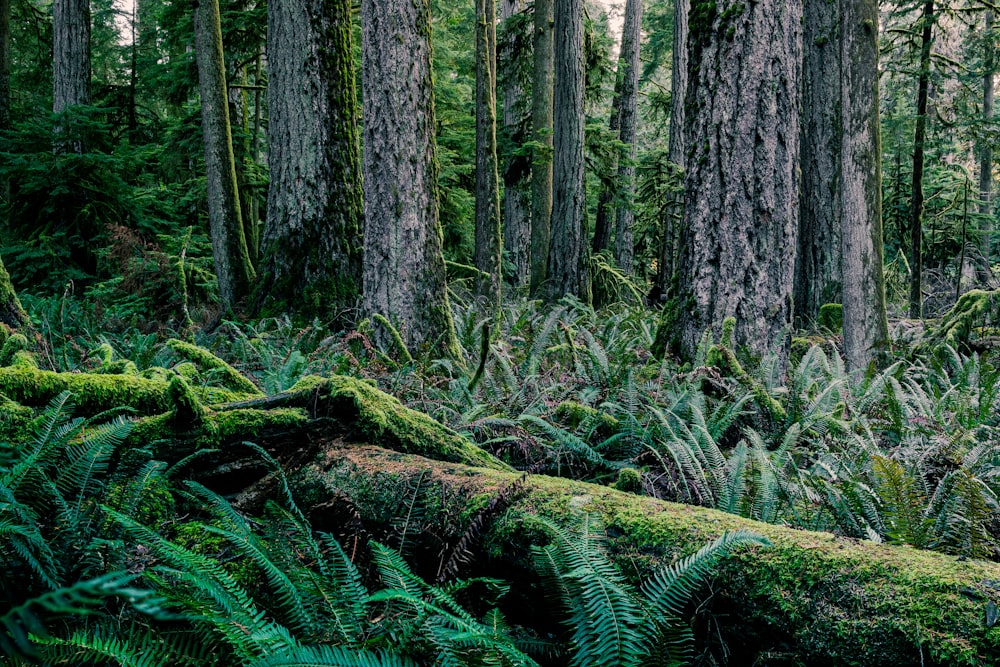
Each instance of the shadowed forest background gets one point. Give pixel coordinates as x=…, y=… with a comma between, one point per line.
x=440, y=332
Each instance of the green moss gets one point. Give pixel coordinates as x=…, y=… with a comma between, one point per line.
x=14, y=344
x=381, y=418
x=14, y=421
x=822, y=599
x=187, y=407
x=91, y=393
x=574, y=415
x=629, y=480
x=975, y=307
x=831, y=317
x=228, y=376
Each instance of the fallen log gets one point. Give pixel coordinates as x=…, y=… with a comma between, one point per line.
x=810, y=599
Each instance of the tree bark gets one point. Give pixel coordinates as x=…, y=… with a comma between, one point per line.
x=628, y=120
x=542, y=118
x=403, y=268
x=568, y=272
x=677, y=149
x=919, y=137
x=985, y=145
x=517, y=168
x=488, y=239
x=817, y=263
x=12, y=315
x=4, y=67
x=741, y=187
x=311, y=244
x=866, y=329
x=229, y=248
x=602, y=219
x=70, y=53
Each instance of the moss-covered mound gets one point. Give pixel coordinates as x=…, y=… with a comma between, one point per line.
x=810, y=599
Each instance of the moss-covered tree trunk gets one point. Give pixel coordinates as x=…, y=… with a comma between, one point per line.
x=741, y=186
x=12, y=315
x=488, y=238
x=542, y=117
x=403, y=268
x=568, y=271
x=229, y=247
x=312, y=238
x=866, y=329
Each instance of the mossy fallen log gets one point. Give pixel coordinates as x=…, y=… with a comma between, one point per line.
x=810, y=599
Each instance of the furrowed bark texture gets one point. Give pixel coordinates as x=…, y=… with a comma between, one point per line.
x=4, y=66
x=542, y=113
x=741, y=187
x=817, y=263
x=808, y=599
x=517, y=169
x=70, y=53
x=229, y=247
x=678, y=148
x=404, y=271
x=628, y=120
x=986, y=147
x=866, y=329
x=568, y=272
x=488, y=239
x=312, y=238
x=919, y=137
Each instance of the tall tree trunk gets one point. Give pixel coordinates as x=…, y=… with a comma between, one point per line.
x=487, y=179
x=628, y=120
x=677, y=149
x=741, y=201
x=404, y=271
x=311, y=245
x=919, y=137
x=866, y=328
x=70, y=53
x=517, y=168
x=602, y=219
x=986, y=146
x=4, y=65
x=542, y=118
x=229, y=248
x=817, y=263
x=568, y=270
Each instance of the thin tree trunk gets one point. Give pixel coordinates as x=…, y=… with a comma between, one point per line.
x=404, y=271
x=602, y=219
x=542, y=119
x=986, y=147
x=741, y=187
x=517, y=168
x=919, y=137
x=568, y=271
x=678, y=148
x=312, y=236
x=866, y=329
x=5, y=114
x=229, y=248
x=628, y=120
x=488, y=240
x=817, y=263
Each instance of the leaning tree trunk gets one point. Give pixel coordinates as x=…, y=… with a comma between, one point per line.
x=568, y=271
x=866, y=329
x=70, y=53
x=12, y=315
x=542, y=112
x=678, y=149
x=628, y=120
x=919, y=137
x=229, y=248
x=986, y=146
x=488, y=240
x=741, y=187
x=403, y=269
x=817, y=263
x=312, y=237
x=517, y=167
